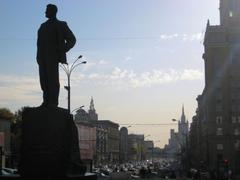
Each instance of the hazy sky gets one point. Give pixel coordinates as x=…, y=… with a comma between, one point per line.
x=144, y=58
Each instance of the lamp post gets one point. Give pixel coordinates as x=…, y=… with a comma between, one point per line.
x=77, y=109
x=68, y=69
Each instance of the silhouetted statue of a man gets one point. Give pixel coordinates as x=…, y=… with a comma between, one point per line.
x=54, y=40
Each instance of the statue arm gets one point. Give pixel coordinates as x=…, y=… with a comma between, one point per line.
x=38, y=47
x=69, y=37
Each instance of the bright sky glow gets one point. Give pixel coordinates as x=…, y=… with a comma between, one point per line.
x=144, y=57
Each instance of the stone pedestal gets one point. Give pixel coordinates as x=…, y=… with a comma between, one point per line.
x=49, y=145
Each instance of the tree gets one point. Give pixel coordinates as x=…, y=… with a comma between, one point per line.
x=17, y=121
x=16, y=136
x=6, y=114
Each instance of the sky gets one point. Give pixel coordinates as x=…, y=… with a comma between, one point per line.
x=144, y=58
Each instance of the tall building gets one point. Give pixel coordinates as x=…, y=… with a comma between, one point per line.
x=177, y=142
x=102, y=155
x=111, y=139
x=91, y=115
x=135, y=147
x=81, y=115
x=148, y=150
x=87, y=142
x=218, y=113
x=183, y=129
x=172, y=148
x=106, y=133
x=92, y=112
x=123, y=145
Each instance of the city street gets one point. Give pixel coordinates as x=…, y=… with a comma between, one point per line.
x=127, y=176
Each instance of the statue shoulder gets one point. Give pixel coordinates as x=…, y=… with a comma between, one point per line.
x=62, y=23
x=42, y=26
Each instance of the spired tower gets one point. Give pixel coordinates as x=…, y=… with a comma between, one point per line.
x=183, y=128
x=92, y=112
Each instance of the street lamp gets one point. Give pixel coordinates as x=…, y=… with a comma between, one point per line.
x=77, y=109
x=174, y=120
x=68, y=70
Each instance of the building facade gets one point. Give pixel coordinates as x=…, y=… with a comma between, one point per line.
x=5, y=140
x=135, y=147
x=101, y=146
x=123, y=145
x=106, y=133
x=148, y=150
x=218, y=112
x=172, y=149
x=112, y=139
x=178, y=141
x=183, y=128
x=92, y=112
x=87, y=142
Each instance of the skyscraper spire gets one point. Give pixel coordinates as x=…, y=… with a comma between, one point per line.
x=183, y=117
x=91, y=107
x=92, y=112
x=183, y=109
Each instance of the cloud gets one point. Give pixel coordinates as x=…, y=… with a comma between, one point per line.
x=130, y=79
x=128, y=58
x=26, y=89
x=102, y=62
x=88, y=66
x=183, y=37
x=168, y=36
x=19, y=88
x=193, y=37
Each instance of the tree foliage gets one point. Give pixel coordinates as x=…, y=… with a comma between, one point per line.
x=6, y=114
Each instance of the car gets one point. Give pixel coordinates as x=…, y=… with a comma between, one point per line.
x=10, y=170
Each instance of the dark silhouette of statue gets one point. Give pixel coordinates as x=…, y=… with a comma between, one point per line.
x=49, y=137
x=54, y=40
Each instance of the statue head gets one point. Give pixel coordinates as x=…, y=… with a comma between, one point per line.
x=51, y=11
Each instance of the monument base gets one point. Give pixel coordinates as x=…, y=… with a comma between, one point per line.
x=49, y=145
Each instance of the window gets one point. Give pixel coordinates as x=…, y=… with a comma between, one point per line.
x=236, y=132
x=219, y=146
x=237, y=145
x=218, y=107
x=219, y=131
x=219, y=119
x=218, y=96
x=234, y=119
x=235, y=94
